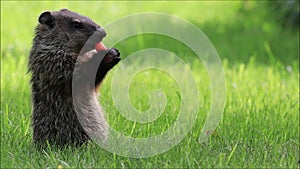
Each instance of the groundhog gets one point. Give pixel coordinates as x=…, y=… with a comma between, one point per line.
x=59, y=39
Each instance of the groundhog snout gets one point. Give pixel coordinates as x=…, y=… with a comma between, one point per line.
x=101, y=32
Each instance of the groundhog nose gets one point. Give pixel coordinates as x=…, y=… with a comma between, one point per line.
x=101, y=32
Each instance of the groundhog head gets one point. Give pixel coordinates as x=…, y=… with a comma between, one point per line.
x=68, y=28
x=62, y=36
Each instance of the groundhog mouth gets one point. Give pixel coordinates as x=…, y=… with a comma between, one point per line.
x=100, y=47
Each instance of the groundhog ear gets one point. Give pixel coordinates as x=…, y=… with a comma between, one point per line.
x=47, y=19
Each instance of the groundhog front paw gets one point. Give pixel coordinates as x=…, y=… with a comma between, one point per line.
x=111, y=58
x=89, y=64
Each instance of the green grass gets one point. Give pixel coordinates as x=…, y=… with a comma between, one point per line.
x=260, y=124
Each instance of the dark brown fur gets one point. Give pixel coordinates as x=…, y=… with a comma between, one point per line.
x=59, y=38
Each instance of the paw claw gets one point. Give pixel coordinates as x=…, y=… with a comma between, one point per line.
x=114, y=52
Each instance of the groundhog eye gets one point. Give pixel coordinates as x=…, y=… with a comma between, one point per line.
x=77, y=24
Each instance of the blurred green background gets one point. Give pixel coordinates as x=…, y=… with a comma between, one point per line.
x=258, y=43
x=239, y=30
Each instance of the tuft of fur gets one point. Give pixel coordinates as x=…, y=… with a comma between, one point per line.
x=59, y=38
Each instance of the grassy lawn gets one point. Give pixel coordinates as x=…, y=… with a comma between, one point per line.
x=260, y=124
